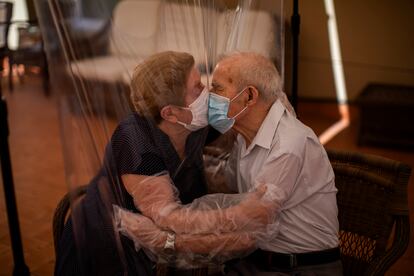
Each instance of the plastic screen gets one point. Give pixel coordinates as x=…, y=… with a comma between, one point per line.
x=133, y=80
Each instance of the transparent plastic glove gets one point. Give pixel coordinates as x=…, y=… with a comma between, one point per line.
x=157, y=198
x=141, y=230
x=191, y=250
x=258, y=208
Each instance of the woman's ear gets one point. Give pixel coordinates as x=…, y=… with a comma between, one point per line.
x=253, y=95
x=168, y=114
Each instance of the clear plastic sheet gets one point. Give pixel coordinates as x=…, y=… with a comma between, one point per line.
x=111, y=95
x=216, y=226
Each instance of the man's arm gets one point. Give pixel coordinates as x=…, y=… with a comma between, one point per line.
x=157, y=199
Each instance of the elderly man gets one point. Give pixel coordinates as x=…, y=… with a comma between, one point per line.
x=274, y=148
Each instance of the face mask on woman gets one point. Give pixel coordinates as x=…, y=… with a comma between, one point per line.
x=218, y=107
x=199, y=109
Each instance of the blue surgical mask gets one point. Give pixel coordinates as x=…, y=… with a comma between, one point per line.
x=218, y=107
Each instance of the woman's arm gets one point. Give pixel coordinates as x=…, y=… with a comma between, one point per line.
x=146, y=234
x=157, y=198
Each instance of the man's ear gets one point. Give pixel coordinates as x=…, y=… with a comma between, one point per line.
x=168, y=114
x=253, y=95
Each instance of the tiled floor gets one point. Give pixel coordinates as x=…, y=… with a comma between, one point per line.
x=38, y=170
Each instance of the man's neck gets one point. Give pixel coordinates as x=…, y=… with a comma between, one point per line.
x=176, y=135
x=249, y=125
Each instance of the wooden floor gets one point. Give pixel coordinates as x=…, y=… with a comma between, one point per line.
x=38, y=169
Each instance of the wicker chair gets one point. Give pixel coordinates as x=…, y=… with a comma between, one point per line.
x=62, y=211
x=373, y=211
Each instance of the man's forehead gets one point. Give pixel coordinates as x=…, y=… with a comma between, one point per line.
x=223, y=72
x=225, y=65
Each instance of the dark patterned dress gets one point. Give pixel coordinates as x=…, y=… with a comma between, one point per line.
x=89, y=245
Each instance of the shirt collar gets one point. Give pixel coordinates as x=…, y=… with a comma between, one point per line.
x=264, y=136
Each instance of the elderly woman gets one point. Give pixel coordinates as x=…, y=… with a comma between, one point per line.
x=153, y=165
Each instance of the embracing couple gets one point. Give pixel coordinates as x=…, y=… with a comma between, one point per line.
x=149, y=202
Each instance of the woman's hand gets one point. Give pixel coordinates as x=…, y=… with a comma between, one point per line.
x=140, y=229
x=256, y=210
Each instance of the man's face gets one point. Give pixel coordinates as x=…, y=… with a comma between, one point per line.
x=224, y=84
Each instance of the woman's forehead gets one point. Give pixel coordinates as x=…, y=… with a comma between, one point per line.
x=194, y=76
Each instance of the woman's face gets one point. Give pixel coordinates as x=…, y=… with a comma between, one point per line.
x=194, y=87
x=193, y=90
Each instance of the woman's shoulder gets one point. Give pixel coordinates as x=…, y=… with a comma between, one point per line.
x=133, y=147
x=132, y=130
x=133, y=121
x=133, y=124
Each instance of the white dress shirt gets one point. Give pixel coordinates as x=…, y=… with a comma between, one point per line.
x=287, y=156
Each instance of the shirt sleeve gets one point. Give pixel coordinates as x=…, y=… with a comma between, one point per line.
x=151, y=164
x=133, y=152
x=280, y=175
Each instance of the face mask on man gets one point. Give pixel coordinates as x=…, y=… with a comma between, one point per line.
x=199, y=109
x=218, y=107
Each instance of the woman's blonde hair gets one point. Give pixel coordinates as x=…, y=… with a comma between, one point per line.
x=159, y=81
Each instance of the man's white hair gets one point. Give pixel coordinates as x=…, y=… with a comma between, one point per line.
x=258, y=71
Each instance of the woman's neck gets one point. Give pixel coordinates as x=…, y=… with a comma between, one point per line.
x=178, y=136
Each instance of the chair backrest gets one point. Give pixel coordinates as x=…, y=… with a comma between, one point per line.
x=6, y=11
x=181, y=29
x=61, y=213
x=143, y=27
x=254, y=30
x=134, y=28
x=373, y=211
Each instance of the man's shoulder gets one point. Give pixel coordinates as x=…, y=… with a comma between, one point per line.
x=292, y=136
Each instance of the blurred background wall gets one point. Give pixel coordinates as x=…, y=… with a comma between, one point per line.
x=376, y=38
x=377, y=44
